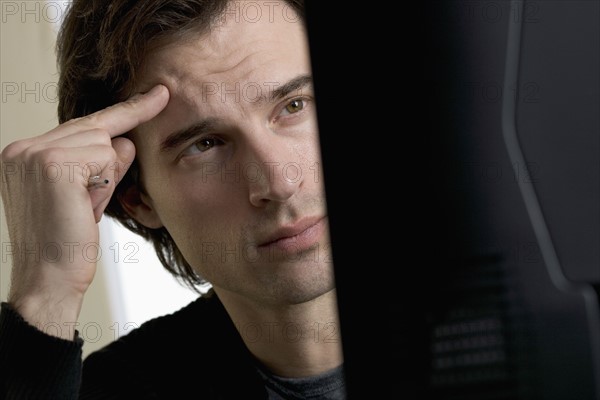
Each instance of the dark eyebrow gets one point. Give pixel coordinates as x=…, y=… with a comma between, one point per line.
x=177, y=138
x=293, y=85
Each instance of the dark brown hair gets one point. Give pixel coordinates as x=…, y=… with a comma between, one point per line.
x=101, y=47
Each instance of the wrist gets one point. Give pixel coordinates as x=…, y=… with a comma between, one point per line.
x=52, y=313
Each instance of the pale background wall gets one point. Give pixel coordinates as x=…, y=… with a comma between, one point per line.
x=130, y=287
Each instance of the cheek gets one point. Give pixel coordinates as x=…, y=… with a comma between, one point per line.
x=197, y=204
x=202, y=217
x=309, y=154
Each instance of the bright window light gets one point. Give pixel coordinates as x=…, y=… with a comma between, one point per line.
x=140, y=288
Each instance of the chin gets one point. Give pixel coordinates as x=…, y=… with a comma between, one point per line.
x=298, y=289
x=304, y=297
x=279, y=283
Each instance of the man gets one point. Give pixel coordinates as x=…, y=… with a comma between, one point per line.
x=215, y=118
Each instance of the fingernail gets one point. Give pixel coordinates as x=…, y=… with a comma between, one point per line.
x=156, y=90
x=152, y=92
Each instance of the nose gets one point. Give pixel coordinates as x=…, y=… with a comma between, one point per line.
x=272, y=170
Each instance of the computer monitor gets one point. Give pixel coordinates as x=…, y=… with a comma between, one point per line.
x=484, y=117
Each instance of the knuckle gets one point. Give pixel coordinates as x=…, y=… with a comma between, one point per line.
x=130, y=106
x=12, y=151
x=90, y=120
x=107, y=152
x=101, y=134
x=73, y=121
x=50, y=155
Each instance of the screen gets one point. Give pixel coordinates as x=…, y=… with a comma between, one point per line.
x=461, y=153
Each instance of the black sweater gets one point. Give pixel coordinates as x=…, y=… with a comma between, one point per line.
x=194, y=353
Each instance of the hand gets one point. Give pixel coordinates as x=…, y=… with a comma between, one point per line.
x=52, y=211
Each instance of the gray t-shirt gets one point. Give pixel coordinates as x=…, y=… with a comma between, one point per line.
x=327, y=386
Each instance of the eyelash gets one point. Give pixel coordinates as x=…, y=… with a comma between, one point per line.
x=205, y=138
x=289, y=102
x=305, y=100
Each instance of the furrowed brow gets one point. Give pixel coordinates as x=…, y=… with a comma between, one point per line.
x=177, y=138
x=293, y=85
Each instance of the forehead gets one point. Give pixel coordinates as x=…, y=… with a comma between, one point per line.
x=220, y=73
x=249, y=44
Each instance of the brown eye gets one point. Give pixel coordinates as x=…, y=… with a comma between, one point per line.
x=205, y=144
x=294, y=106
x=202, y=145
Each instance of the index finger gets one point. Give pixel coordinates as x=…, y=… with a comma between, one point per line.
x=123, y=117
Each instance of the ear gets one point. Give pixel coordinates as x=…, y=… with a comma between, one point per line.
x=139, y=206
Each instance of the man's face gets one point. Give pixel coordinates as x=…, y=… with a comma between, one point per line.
x=243, y=169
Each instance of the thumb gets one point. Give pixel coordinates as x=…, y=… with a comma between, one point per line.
x=125, y=150
x=100, y=197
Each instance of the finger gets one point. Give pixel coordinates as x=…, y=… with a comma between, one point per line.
x=116, y=119
x=125, y=150
x=103, y=161
x=123, y=117
x=101, y=194
x=93, y=137
x=100, y=197
x=79, y=164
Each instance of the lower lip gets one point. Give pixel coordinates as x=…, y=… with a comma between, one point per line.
x=300, y=242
